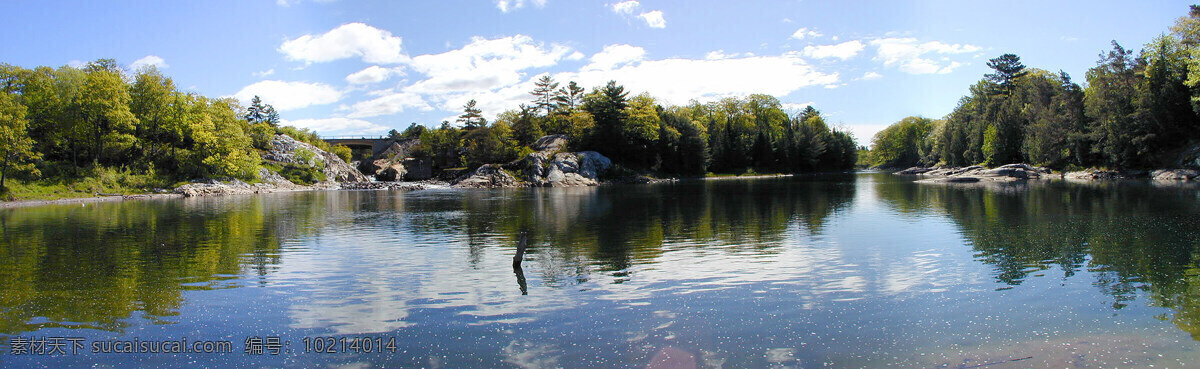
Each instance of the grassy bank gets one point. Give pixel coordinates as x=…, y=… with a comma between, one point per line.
x=86, y=183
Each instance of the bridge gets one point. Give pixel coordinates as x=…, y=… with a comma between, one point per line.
x=376, y=143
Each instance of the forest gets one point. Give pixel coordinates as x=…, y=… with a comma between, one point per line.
x=1134, y=112
x=731, y=135
x=71, y=131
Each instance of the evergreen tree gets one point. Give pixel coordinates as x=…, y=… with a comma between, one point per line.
x=607, y=107
x=545, y=93
x=568, y=98
x=526, y=129
x=472, y=117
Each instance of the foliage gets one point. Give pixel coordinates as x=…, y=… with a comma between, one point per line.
x=898, y=145
x=1136, y=112
x=16, y=148
x=342, y=151
x=472, y=117
x=259, y=113
x=298, y=174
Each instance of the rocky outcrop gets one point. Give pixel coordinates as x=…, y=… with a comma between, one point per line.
x=274, y=179
x=976, y=173
x=545, y=168
x=400, y=149
x=417, y=169
x=489, y=176
x=394, y=163
x=287, y=150
x=1174, y=174
x=551, y=143
x=389, y=170
x=405, y=186
x=564, y=169
x=231, y=187
x=1093, y=174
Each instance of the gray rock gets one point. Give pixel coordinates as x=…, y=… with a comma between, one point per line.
x=215, y=187
x=975, y=173
x=1092, y=174
x=393, y=172
x=400, y=149
x=551, y=143
x=417, y=169
x=272, y=178
x=545, y=168
x=488, y=176
x=568, y=169
x=914, y=171
x=285, y=149
x=1174, y=174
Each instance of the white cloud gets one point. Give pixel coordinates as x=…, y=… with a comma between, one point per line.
x=909, y=56
x=372, y=74
x=845, y=50
x=678, y=80
x=390, y=103
x=654, y=19
x=264, y=73
x=625, y=7
x=484, y=64
x=804, y=32
x=870, y=76
x=349, y=40
x=720, y=54
x=510, y=5
x=794, y=107
x=491, y=102
x=614, y=56
x=376, y=93
x=338, y=126
x=154, y=60
x=290, y=95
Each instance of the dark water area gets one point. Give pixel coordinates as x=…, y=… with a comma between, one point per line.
x=856, y=270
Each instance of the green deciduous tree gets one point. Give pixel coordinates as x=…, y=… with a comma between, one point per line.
x=103, y=105
x=898, y=145
x=16, y=147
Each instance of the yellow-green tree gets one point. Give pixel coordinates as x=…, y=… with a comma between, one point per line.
x=16, y=148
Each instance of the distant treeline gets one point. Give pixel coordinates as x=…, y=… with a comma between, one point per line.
x=1135, y=112
x=730, y=135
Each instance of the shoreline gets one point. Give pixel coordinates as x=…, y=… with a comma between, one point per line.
x=87, y=200
x=717, y=178
x=422, y=185
x=349, y=186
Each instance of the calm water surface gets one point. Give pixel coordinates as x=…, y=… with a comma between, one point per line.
x=866, y=270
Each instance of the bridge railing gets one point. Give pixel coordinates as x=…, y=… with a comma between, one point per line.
x=353, y=137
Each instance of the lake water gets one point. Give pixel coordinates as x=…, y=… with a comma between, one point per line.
x=863, y=270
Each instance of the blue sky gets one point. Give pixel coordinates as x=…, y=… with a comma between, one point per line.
x=365, y=67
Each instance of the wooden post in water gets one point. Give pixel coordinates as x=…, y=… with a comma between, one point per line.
x=520, y=256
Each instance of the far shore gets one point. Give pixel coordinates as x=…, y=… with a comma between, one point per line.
x=156, y=196
x=86, y=200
